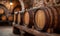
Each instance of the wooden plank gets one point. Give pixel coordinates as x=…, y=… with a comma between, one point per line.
x=34, y=32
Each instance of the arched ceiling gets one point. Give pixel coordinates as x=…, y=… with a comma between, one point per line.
x=7, y=3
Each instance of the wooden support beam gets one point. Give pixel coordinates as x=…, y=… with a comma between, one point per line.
x=34, y=32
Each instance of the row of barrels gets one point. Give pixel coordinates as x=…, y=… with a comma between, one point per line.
x=43, y=19
x=5, y=18
x=5, y=15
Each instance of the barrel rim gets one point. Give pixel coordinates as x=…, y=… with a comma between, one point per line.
x=36, y=27
x=24, y=16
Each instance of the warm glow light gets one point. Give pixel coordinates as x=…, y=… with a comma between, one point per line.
x=11, y=3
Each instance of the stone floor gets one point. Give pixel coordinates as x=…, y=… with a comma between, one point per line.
x=6, y=31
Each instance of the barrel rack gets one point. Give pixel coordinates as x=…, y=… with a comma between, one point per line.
x=33, y=31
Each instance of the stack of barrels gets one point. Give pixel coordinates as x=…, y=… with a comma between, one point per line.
x=46, y=19
x=4, y=17
x=1, y=13
x=17, y=19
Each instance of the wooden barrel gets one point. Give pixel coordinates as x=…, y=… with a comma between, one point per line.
x=41, y=19
x=28, y=18
x=19, y=18
x=21, y=14
x=46, y=17
x=10, y=18
x=57, y=20
x=15, y=17
x=1, y=11
x=3, y=18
